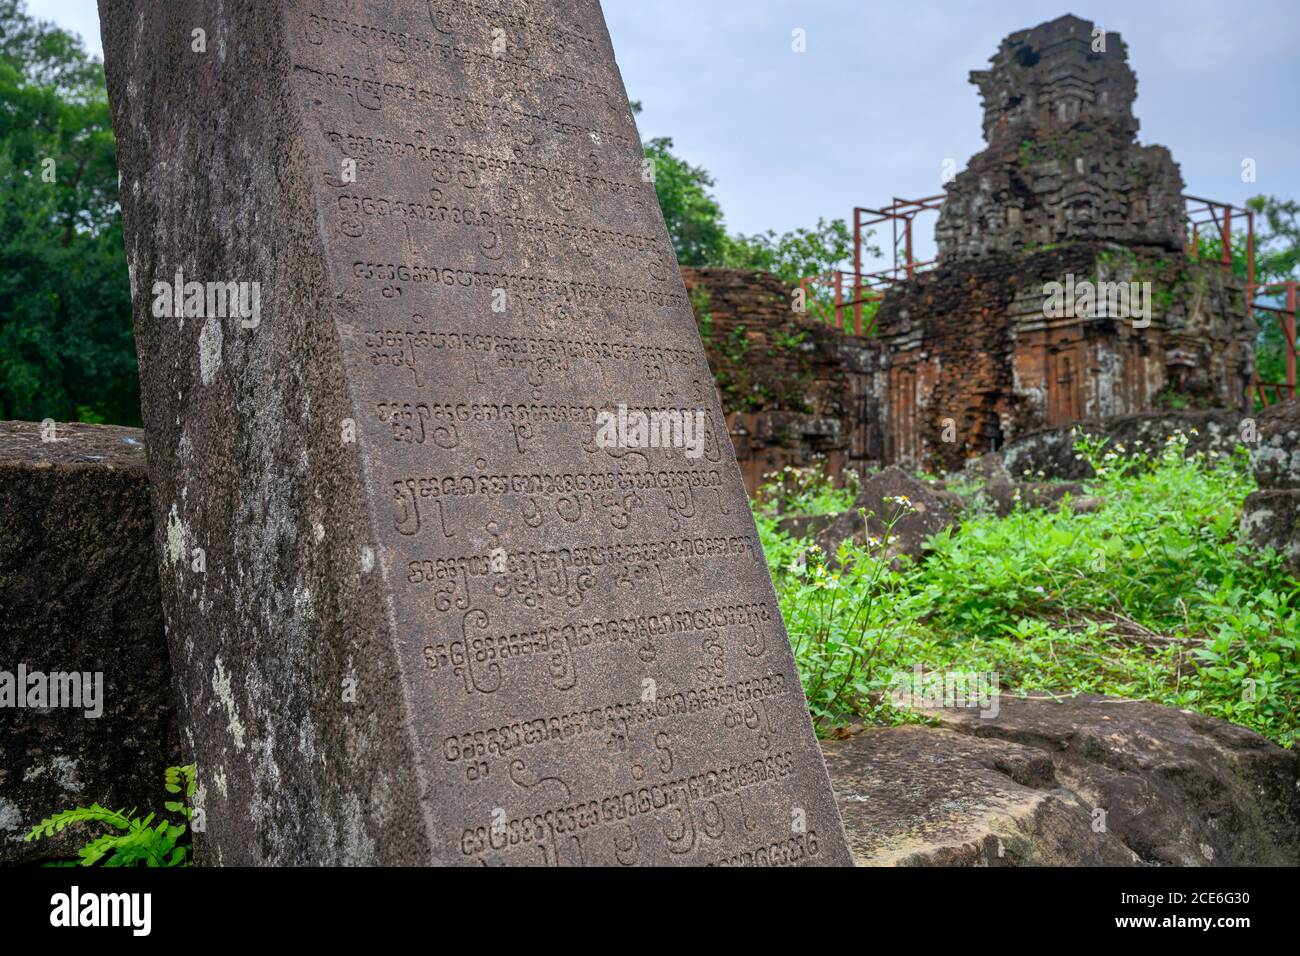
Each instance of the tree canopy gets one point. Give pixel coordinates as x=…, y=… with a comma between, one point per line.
x=67, y=350
x=66, y=345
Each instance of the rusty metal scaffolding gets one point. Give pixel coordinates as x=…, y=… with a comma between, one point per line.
x=1219, y=217
x=863, y=288
x=1266, y=393
x=849, y=291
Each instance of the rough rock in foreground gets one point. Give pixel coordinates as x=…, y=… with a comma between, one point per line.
x=79, y=594
x=1271, y=516
x=1084, y=781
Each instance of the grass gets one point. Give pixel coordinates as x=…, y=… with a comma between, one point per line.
x=1148, y=597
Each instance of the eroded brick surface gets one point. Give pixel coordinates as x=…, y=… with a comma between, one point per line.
x=973, y=354
x=793, y=390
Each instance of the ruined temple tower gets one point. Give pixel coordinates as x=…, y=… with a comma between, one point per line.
x=984, y=347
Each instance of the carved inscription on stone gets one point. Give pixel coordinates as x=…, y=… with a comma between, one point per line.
x=481, y=582
x=593, y=651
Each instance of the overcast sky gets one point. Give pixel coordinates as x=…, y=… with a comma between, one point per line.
x=881, y=96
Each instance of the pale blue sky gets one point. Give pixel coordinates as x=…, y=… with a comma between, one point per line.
x=881, y=98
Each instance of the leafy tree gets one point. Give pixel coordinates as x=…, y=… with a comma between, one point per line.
x=1277, y=243
x=1277, y=259
x=696, y=225
x=691, y=213
x=803, y=253
x=796, y=254
x=66, y=345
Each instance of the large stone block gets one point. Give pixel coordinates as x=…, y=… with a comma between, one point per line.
x=78, y=596
x=1079, y=781
x=1275, y=455
x=1270, y=518
x=424, y=604
x=1050, y=451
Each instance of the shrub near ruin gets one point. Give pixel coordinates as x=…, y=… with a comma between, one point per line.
x=1148, y=597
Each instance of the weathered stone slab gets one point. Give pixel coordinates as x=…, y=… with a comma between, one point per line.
x=922, y=796
x=1275, y=456
x=1080, y=781
x=1049, y=452
x=420, y=611
x=1177, y=787
x=78, y=599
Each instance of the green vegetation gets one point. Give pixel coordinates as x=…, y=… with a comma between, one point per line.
x=1277, y=259
x=700, y=301
x=137, y=841
x=794, y=255
x=803, y=253
x=66, y=345
x=1067, y=148
x=802, y=491
x=1148, y=597
x=698, y=231
x=692, y=214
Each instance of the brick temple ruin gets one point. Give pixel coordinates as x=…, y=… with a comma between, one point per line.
x=982, y=347
x=793, y=390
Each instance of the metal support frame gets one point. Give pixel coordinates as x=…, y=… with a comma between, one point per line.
x=870, y=286
x=852, y=290
x=1267, y=393
x=1219, y=217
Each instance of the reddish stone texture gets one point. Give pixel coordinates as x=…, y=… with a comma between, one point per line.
x=964, y=360
x=969, y=361
x=970, y=357
x=967, y=356
x=793, y=390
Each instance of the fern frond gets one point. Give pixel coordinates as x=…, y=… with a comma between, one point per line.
x=140, y=845
x=97, y=849
x=174, y=777
x=91, y=814
x=142, y=841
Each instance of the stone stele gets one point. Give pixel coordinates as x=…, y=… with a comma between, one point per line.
x=427, y=602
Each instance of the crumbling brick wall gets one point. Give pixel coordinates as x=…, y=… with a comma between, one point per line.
x=971, y=354
x=969, y=360
x=968, y=356
x=793, y=389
